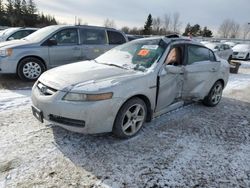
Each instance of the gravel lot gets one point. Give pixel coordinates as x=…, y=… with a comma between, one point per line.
x=194, y=146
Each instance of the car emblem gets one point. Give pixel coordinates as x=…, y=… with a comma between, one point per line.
x=43, y=89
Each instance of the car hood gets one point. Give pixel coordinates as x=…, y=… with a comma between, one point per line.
x=241, y=50
x=14, y=43
x=85, y=75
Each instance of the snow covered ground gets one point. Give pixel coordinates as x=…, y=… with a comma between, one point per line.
x=194, y=146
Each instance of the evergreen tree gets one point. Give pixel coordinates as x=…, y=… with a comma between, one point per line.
x=206, y=32
x=148, y=25
x=32, y=7
x=1, y=8
x=24, y=7
x=187, y=30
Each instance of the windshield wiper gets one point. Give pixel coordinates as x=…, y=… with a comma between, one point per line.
x=111, y=64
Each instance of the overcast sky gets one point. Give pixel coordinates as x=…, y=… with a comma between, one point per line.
x=134, y=12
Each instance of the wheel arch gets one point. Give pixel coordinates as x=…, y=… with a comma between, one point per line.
x=146, y=101
x=222, y=81
x=31, y=56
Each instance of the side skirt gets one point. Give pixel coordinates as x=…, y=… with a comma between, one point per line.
x=171, y=107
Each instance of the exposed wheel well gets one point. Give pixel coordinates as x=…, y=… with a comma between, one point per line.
x=32, y=56
x=148, y=105
x=222, y=81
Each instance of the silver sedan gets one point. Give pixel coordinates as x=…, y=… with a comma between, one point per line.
x=128, y=85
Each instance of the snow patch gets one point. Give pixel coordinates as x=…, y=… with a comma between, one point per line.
x=10, y=99
x=237, y=82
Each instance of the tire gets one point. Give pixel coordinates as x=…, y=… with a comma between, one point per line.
x=130, y=118
x=247, y=57
x=230, y=58
x=215, y=95
x=30, y=68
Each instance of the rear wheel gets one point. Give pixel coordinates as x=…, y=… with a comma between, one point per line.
x=130, y=118
x=30, y=69
x=214, y=95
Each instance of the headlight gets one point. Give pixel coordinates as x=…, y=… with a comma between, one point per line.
x=6, y=52
x=87, y=97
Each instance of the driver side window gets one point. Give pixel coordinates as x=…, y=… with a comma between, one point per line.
x=66, y=37
x=175, y=56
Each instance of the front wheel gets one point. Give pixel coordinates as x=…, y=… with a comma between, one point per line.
x=214, y=95
x=30, y=69
x=130, y=118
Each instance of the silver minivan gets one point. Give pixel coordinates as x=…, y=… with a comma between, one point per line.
x=54, y=46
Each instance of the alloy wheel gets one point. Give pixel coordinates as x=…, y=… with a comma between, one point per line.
x=133, y=119
x=32, y=70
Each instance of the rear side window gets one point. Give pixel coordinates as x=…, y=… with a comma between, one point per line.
x=93, y=36
x=198, y=53
x=116, y=37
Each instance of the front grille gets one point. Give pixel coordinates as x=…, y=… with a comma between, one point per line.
x=67, y=121
x=45, y=90
x=235, y=53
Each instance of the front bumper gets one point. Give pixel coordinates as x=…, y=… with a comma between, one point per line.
x=89, y=117
x=238, y=55
x=7, y=65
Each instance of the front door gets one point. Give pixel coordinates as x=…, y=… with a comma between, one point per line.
x=67, y=50
x=171, y=78
x=200, y=72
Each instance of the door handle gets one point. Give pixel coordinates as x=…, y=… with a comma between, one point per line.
x=76, y=48
x=213, y=69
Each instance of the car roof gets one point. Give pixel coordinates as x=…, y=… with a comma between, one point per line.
x=172, y=39
x=83, y=26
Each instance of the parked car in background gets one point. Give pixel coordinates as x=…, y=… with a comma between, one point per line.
x=56, y=45
x=231, y=44
x=128, y=85
x=224, y=51
x=241, y=51
x=15, y=33
x=133, y=37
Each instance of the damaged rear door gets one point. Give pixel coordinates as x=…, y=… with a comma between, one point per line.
x=201, y=72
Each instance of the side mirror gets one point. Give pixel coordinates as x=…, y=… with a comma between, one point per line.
x=51, y=42
x=174, y=69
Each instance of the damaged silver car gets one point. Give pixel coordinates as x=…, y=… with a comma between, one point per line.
x=131, y=84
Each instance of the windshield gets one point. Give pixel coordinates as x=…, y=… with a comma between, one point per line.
x=9, y=31
x=40, y=34
x=137, y=55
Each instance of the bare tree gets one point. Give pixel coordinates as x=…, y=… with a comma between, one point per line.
x=109, y=23
x=167, y=22
x=176, y=22
x=157, y=25
x=229, y=28
x=125, y=29
x=245, y=30
x=235, y=30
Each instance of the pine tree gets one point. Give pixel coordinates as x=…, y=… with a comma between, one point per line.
x=187, y=30
x=32, y=7
x=9, y=7
x=1, y=8
x=24, y=7
x=148, y=25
